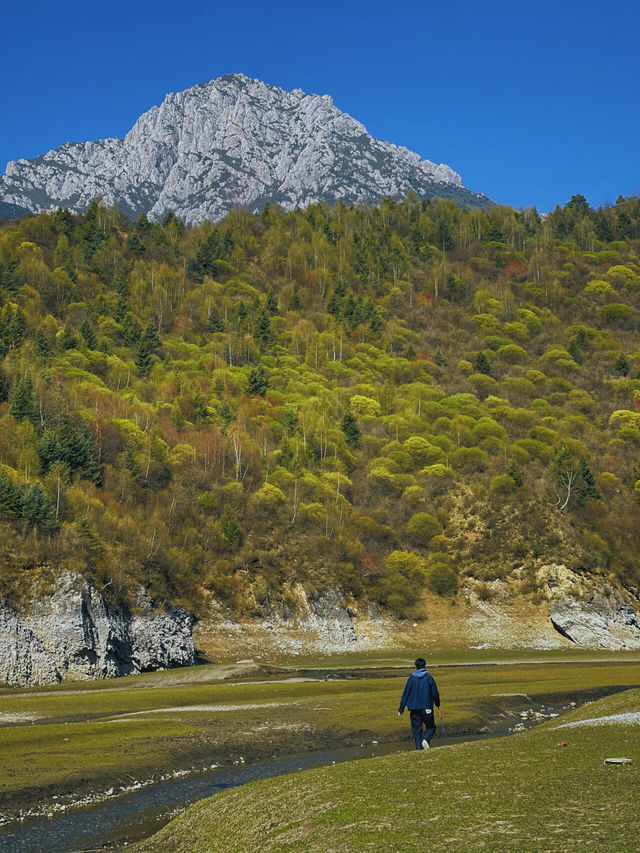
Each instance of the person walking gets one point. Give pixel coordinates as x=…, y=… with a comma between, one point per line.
x=420, y=695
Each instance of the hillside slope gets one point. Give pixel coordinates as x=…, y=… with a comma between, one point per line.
x=372, y=401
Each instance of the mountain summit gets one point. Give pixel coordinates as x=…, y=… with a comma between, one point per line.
x=230, y=142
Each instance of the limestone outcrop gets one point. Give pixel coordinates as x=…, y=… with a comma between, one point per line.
x=589, y=610
x=75, y=634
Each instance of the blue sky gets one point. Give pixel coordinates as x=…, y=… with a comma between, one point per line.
x=530, y=101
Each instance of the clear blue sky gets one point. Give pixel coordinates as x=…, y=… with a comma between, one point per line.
x=530, y=101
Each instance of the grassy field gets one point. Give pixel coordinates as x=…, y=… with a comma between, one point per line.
x=526, y=792
x=73, y=739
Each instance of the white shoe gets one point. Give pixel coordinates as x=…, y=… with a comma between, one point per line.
x=425, y=744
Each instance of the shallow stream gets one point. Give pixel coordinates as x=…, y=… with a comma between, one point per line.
x=115, y=823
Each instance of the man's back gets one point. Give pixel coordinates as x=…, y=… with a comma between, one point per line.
x=420, y=692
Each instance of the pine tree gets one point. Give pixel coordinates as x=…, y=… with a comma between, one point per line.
x=296, y=305
x=515, y=473
x=481, y=364
x=50, y=450
x=587, y=488
x=257, y=382
x=67, y=339
x=621, y=365
x=131, y=463
x=147, y=345
x=272, y=303
x=37, y=509
x=349, y=427
x=89, y=335
x=376, y=323
x=10, y=496
x=263, y=333
x=333, y=305
x=214, y=322
x=135, y=244
x=22, y=406
x=42, y=345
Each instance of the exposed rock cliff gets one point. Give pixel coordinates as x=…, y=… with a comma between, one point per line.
x=295, y=624
x=74, y=634
x=230, y=142
x=589, y=610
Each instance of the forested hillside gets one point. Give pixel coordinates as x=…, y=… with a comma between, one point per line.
x=375, y=398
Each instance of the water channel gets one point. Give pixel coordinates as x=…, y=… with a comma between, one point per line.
x=115, y=823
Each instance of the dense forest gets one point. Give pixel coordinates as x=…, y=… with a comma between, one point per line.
x=379, y=398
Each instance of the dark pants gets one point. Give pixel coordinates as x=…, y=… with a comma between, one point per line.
x=418, y=720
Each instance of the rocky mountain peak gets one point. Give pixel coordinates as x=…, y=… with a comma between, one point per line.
x=234, y=141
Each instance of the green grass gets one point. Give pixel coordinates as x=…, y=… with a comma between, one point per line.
x=78, y=738
x=521, y=793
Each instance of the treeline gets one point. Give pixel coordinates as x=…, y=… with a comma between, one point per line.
x=383, y=398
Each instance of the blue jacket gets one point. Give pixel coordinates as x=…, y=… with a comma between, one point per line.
x=420, y=692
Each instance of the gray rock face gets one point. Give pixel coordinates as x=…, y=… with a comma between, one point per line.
x=330, y=617
x=73, y=634
x=230, y=142
x=590, y=611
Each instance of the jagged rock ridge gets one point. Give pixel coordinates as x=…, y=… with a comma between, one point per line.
x=230, y=142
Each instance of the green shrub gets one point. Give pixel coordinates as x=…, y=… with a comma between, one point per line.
x=442, y=580
x=422, y=527
x=502, y=484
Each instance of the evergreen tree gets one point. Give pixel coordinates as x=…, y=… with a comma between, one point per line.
x=296, y=305
x=263, y=333
x=349, y=427
x=376, y=323
x=67, y=339
x=621, y=365
x=13, y=325
x=147, y=345
x=481, y=364
x=226, y=416
x=135, y=244
x=214, y=322
x=42, y=345
x=8, y=281
x=515, y=473
x=38, y=510
x=131, y=464
x=257, y=382
x=22, y=406
x=89, y=335
x=10, y=496
x=272, y=303
x=587, y=487
x=132, y=329
x=333, y=305
x=50, y=450
x=200, y=410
